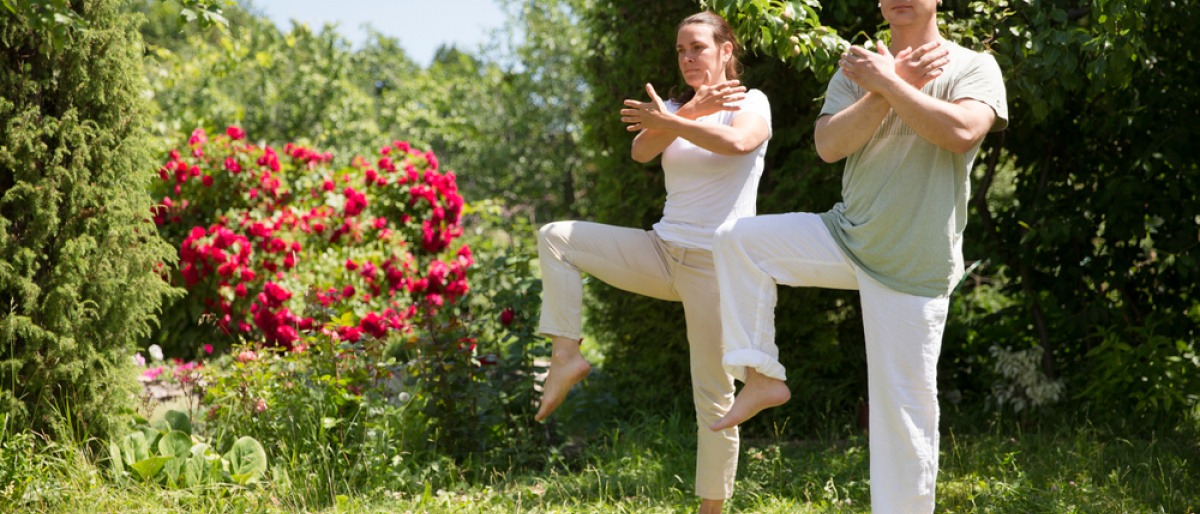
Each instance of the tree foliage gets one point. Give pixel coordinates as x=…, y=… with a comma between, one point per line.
x=78, y=254
x=507, y=114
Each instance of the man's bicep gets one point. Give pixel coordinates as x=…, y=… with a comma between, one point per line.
x=977, y=115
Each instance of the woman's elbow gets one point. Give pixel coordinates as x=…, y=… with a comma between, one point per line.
x=743, y=146
x=641, y=157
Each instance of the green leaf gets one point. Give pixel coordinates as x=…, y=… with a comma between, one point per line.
x=179, y=420
x=194, y=470
x=174, y=469
x=134, y=448
x=175, y=444
x=148, y=468
x=115, y=459
x=247, y=460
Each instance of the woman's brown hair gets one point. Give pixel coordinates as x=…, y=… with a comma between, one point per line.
x=722, y=33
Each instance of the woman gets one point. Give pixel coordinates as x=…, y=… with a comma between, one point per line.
x=712, y=139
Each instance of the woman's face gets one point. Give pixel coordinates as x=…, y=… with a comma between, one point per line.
x=699, y=52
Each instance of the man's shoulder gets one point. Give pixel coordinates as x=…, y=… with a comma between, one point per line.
x=959, y=52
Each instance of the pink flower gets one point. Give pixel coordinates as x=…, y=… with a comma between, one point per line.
x=198, y=137
x=276, y=295
x=435, y=299
x=208, y=349
x=235, y=133
x=374, y=324
x=352, y=334
x=368, y=270
x=260, y=405
x=269, y=159
x=207, y=180
x=184, y=371
x=506, y=316
x=247, y=356
x=351, y=265
x=153, y=373
x=355, y=201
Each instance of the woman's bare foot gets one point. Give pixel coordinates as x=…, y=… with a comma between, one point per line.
x=758, y=393
x=567, y=367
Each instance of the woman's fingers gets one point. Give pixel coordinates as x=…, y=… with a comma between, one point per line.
x=653, y=94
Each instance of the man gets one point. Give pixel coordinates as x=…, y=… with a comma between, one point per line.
x=909, y=128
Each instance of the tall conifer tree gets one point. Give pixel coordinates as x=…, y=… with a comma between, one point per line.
x=78, y=255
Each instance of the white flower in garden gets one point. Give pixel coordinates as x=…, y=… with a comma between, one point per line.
x=155, y=352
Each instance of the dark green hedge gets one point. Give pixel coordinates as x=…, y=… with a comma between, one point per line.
x=78, y=253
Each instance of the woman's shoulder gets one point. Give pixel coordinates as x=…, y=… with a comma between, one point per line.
x=750, y=91
x=755, y=97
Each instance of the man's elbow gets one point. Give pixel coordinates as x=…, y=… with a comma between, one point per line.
x=964, y=140
x=827, y=154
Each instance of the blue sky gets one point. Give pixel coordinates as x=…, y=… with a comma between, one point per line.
x=420, y=25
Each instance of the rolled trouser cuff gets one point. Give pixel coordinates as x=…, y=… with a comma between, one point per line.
x=737, y=361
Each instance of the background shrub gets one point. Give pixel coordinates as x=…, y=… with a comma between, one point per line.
x=78, y=255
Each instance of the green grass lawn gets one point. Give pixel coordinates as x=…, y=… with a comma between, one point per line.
x=644, y=465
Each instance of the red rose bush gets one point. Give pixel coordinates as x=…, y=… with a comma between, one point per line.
x=260, y=231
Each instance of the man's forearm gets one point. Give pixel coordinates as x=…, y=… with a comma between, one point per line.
x=841, y=134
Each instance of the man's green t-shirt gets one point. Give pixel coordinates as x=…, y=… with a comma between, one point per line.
x=904, y=200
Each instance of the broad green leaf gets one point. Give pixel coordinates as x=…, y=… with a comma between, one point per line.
x=115, y=459
x=247, y=460
x=148, y=468
x=194, y=470
x=134, y=448
x=174, y=469
x=180, y=421
x=175, y=444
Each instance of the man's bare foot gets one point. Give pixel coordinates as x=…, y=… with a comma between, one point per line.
x=567, y=367
x=758, y=393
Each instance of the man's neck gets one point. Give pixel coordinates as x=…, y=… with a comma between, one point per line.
x=914, y=36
